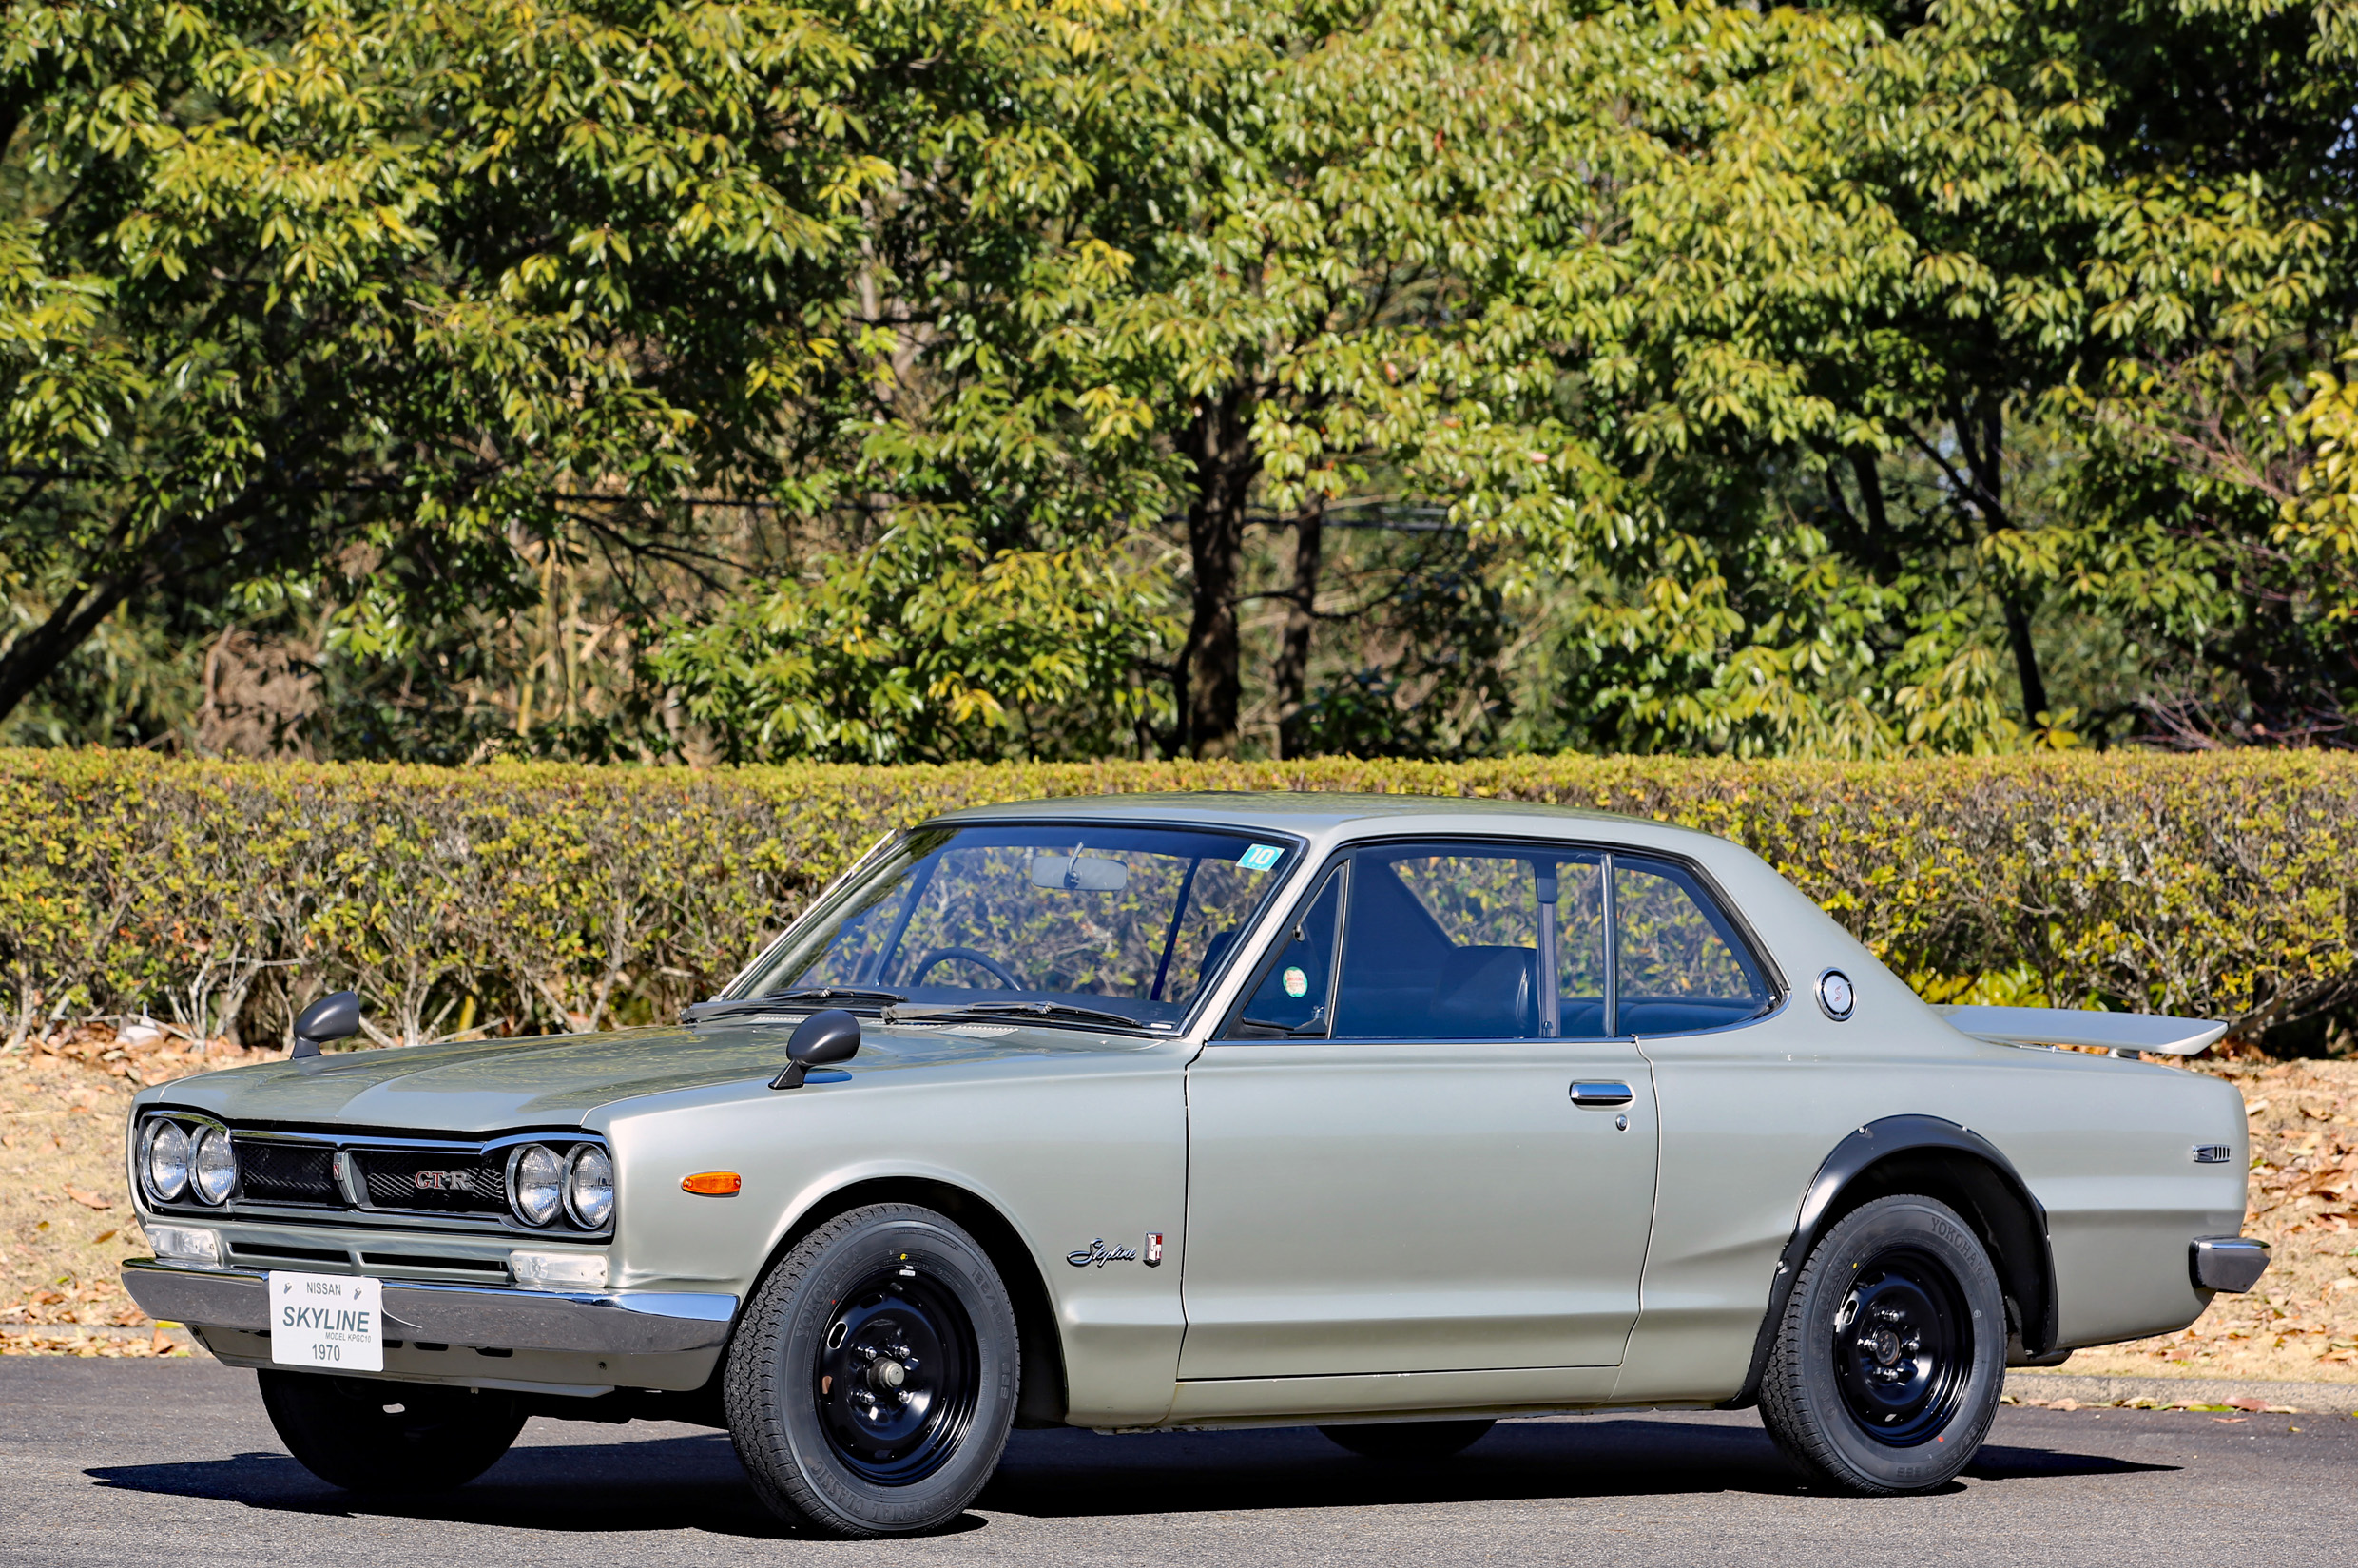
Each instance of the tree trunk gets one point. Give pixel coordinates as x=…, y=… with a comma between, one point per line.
x=1981, y=431
x=1209, y=685
x=37, y=654
x=1293, y=657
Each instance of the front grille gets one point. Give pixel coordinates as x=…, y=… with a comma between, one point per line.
x=443, y=1182
x=285, y=1172
x=434, y=1182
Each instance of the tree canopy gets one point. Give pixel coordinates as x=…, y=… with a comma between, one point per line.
x=941, y=379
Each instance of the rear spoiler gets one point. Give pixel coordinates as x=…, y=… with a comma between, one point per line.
x=2127, y=1032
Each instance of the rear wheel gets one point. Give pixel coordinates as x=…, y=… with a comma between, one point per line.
x=1409, y=1440
x=1886, y=1370
x=872, y=1385
x=373, y=1435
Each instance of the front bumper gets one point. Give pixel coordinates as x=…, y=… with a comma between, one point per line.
x=2227, y=1263
x=620, y=1323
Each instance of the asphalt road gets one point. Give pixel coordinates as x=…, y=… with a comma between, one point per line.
x=154, y=1463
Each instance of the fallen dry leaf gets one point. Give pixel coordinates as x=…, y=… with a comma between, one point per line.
x=89, y=1200
x=104, y=1237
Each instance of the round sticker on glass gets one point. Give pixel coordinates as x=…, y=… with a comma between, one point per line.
x=1296, y=983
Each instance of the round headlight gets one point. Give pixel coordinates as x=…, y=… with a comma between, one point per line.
x=164, y=1156
x=589, y=1187
x=535, y=1184
x=215, y=1168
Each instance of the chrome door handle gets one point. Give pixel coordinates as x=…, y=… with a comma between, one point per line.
x=1601, y=1093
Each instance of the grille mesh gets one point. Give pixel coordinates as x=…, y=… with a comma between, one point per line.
x=278, y=1172
x=452, y=1182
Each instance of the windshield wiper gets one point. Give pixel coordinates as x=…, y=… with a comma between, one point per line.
x=1045, y=1012
x=837, y=994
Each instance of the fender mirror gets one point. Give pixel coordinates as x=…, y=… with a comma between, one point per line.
x=335, y=1017
x=817, y=1041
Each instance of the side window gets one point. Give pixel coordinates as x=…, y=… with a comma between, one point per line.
x=1681, y=965
x=1443, y=942
x=1292, y=999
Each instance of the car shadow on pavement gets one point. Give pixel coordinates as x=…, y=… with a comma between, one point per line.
x=1998, y=1462
x=694, y=1482
x=659, y=1483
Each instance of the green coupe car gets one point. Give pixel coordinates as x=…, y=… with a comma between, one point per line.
x=1388, y=1115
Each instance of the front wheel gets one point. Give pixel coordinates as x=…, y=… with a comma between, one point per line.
x=374, y=1435
x=1885, y=1373
x=872, y=1384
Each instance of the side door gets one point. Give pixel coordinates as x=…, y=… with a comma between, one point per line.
x=1417, y=1147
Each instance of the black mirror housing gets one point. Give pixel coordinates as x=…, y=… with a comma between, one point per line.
x=335, y=1016
x=818, y=1040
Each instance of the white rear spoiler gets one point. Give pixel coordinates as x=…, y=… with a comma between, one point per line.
x=2164, y=1036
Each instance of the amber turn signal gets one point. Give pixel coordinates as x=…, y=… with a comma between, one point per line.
x=713, y=1184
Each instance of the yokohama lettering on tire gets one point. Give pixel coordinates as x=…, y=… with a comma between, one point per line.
x=1887, y=1369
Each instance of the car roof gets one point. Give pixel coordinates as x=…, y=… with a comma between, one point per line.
x=1320, y=814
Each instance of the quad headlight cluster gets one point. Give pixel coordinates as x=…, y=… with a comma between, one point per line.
x=578, y=1184
x=187, y=1161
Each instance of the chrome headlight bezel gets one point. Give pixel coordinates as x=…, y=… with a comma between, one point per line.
x=596, y=1211
x=217, y=1184
x=538, y=1214
x=150, y=1134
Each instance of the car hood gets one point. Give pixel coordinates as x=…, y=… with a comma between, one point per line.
x=558, y=1079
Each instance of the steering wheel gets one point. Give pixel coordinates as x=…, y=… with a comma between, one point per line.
x=983, y=961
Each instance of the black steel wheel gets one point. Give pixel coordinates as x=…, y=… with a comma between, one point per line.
x=872, y=1383
x=896, y=1378
x=1887, y=1369
x=1902, y=1344
x=1407, y=1440
x=377, y=1435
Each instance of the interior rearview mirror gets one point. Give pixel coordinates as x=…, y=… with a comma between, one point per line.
x=1079, y=873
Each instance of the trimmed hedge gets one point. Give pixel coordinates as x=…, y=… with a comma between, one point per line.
x=222, y=895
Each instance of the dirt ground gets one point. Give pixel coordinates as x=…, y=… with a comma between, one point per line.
x=65, y=1223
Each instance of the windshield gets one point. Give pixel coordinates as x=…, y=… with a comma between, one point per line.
x=1130, y=921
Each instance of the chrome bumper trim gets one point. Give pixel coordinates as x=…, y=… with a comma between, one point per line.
x=622, y=1323
x=2227, y=1263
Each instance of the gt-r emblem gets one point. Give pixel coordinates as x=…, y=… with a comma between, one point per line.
x=441, y=1181
x=1154, y=1248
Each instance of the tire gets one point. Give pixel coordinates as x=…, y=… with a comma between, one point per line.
x=872, y=1384
x=1409, y=1440
x=1887, y=1369
x=374, y=1435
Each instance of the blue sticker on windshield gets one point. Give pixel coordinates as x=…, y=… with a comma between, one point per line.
x=1260, y=857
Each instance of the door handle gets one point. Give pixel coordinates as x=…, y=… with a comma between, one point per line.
x=1601, y=1093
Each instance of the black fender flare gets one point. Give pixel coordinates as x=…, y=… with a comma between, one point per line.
x=1882, y=1140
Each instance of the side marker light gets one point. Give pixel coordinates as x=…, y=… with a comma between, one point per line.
x=713, y=1184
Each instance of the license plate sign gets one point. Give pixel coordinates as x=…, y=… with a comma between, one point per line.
x=327, y=1322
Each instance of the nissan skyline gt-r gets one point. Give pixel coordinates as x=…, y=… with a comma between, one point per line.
x=1388, y=1115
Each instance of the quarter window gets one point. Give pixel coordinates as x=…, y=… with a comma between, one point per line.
x=1293, y=994
x=1680, y=963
